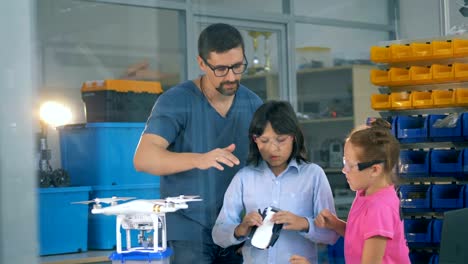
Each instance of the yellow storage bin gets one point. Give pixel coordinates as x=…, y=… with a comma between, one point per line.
x=421, y=51
x=460, y=47
x=400, y=52
x=401, y=100
x=399, y=76
x=461, y=96
x=422, y=99
x=420, y=74
x=442, y=49
x=460, y=71
x=381, y=102
x=380, y=77
x=380, y=54
x=443, y=98
x=442, y=73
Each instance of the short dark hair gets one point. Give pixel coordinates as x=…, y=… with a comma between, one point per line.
x=283, y=120
x=219, y=38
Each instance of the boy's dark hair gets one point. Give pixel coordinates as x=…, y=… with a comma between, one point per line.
x=283, y=120
x=219, y=38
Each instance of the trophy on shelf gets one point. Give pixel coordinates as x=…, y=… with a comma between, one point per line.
x=267, y=66
x=255, y=66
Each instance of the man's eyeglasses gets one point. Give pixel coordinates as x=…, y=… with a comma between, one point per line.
x=361, y=165
x=279, y=141
x=222, y=70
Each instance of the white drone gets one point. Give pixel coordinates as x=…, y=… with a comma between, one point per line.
x=143, y=215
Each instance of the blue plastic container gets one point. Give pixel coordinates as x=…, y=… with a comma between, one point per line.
x=415, y=198
x=414, y=163
x=412, y=129
x=446, y=162
x=102, y=153
x=422, y=257
x=63, y=227
x=465, y=162
x=145, y=257
x=447, y=196
x=445, y=133
x=437, y=230
x=102, y=227
x=336, y=252
x=418, y=230
x=464, y=118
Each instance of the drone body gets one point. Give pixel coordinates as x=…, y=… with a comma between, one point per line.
x=142, y=215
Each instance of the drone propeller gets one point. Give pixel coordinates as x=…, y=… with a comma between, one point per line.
x=105, y=200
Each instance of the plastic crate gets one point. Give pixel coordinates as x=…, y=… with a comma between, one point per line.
x=412, y=129
x=419, y=257
x=102, y=153
x=437, y=230
x=464, y=118
x=415, y=198
x=119, y=100
x=63, y=227
x=446, y=162
x=444, y=133
x=447, y=196
x=418, y=230
x=139, y=257
x=414, y=163
x=101, y=228
x=336, y=252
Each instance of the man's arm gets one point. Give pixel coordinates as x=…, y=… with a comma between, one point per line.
x=152, y=156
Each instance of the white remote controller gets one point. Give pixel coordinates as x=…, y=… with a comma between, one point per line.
x=262, y=236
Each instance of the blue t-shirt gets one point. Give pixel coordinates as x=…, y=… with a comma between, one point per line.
x=184, y=117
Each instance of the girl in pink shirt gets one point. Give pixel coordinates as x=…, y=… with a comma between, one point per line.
x=374, y=231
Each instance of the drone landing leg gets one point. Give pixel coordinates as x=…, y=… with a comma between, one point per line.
x=129, y=239
x=118, y=235
x=155, y=219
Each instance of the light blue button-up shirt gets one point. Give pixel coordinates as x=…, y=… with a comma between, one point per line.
x=302, y=189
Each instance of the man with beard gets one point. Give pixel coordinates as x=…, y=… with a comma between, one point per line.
x=196, y=139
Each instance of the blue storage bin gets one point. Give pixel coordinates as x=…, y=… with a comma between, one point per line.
x=418, y=230
x=414, y=163
x=445, y=133
x=465, y=162
x=415, y=198
x=102, y=227
x=63, y=227
x=412, y=129
x=336, y=252
x=434, y=259
x=437, y=230
x=446, y=162
x=102, y=153
x=421, y=257
x=447, y=196
x=464, y=118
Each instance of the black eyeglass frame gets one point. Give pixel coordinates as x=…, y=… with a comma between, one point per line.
x=365, y=165
x=214, y=68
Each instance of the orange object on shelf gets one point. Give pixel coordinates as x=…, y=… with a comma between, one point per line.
x=401, y=100
x=460, y=47
x=381, y=102
x=422, y=99
x=443, y=98
x=460, y=71
x=421, y=51
x=441, y=73
x=399, y=76
x=400, y=52
x=380, y=54
x=122, y=86
x=420, y=74
x=442, y=49
x=461, y=96
x=380, y=77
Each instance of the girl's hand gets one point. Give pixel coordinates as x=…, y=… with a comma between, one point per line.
x=290, y=221
x=325, y=219
x=250, y=219
x=295, y=259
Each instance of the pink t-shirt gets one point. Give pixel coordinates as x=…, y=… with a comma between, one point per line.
x=376, y=215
